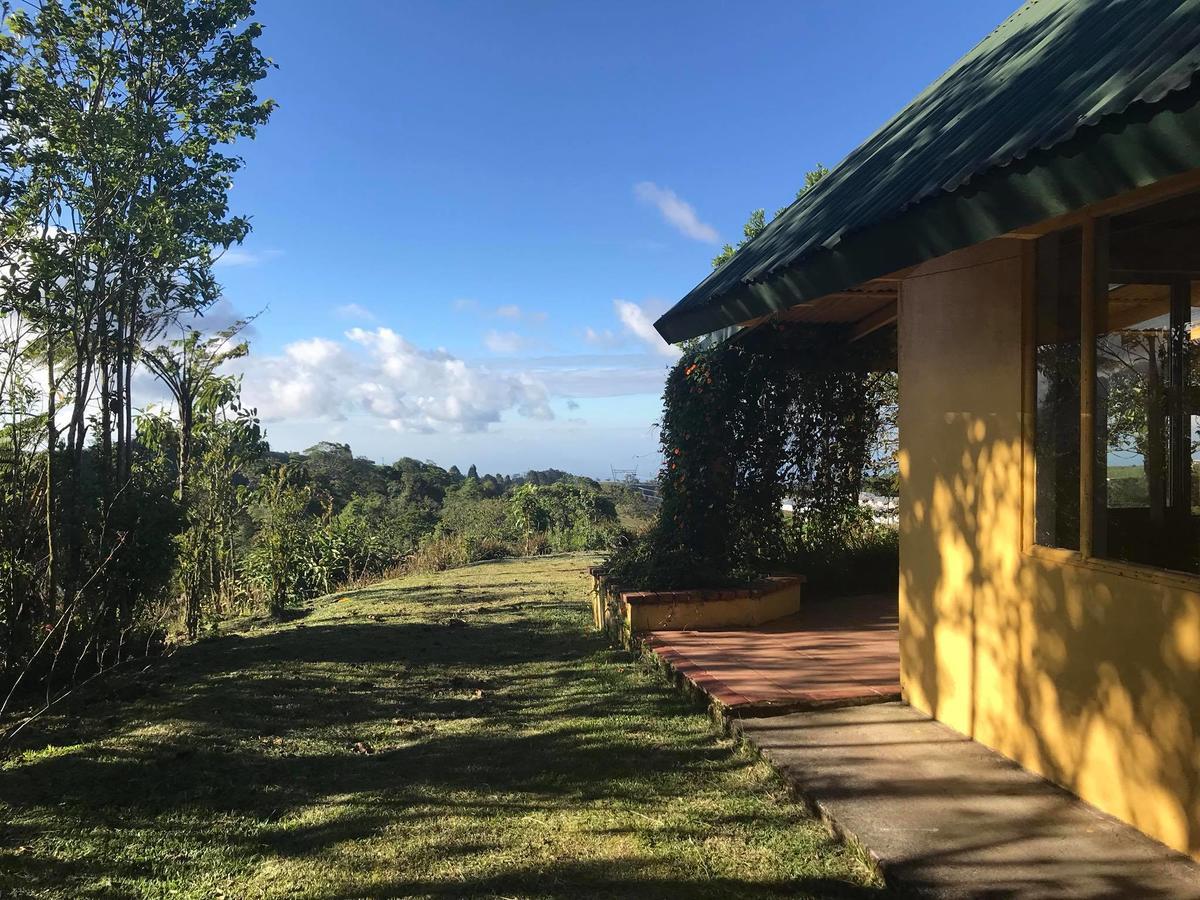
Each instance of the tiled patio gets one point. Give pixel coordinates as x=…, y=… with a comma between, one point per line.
x=840, y=651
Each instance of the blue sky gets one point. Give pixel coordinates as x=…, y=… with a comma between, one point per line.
x=466, y=214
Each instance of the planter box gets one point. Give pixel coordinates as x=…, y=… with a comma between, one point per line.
x=625, y=615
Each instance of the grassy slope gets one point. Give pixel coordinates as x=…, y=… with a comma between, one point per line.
x=514, y=755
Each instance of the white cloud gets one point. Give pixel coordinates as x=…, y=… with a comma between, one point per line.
x=380, y=375
x=514, y=312
x=601, y=338
x=676, y=211
x=587, y=376
x=505, y=342
x=465, y=304
x=218, y=317
x=314, y=351
x=355, y=311
x=639, y=322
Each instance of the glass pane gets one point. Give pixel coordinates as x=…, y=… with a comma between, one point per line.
x=1133, y=341
x=1147, y=415
x=1056, y=436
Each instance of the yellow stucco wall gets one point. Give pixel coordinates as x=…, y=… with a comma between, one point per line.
x=1089, y=677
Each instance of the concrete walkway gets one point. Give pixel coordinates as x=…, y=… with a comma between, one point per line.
x=836, y=652
x=945, y=816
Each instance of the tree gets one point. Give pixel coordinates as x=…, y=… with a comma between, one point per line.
x=188, y=369
x=210, y=419
x=758, y=220
x=119, y=117
x=570, y=516
x=115, y=167
x=281, y=560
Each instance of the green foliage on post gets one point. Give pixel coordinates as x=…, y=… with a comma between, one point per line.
x=744, y=427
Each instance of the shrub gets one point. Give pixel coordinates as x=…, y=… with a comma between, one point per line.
x=565, y=516
x=651, y=560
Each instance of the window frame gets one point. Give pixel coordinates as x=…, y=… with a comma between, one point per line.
x=1094, y=261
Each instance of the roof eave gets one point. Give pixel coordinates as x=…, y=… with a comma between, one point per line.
x=1145, y=144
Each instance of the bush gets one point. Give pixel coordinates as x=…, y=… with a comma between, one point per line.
x=650, y=561
x=866, y=561
x=565, y=516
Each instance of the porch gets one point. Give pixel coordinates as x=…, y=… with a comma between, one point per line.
x=840, y=651
x=815, y=693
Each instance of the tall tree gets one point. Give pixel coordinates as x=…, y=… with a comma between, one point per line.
x=758, y=219
x=119, y=119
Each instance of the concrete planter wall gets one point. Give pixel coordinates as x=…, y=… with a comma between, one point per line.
x=625, y=615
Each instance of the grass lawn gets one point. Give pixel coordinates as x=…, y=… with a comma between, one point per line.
x=455, y=735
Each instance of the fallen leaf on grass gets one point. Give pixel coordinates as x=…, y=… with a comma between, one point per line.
x=362, y=747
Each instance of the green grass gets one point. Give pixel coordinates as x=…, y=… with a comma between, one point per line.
x=454, y=735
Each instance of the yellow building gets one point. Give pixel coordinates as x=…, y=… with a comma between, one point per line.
x=1030, y=228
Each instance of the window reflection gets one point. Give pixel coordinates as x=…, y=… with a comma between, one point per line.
x=1147, y=328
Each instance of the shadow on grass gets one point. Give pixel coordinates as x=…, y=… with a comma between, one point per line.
x=392, y=727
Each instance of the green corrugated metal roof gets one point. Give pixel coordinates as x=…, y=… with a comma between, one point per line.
x=1066, y=102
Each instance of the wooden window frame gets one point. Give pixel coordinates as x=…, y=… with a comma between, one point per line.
x=1094, y=226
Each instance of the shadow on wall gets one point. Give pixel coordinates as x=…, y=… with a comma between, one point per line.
x=1089, y=678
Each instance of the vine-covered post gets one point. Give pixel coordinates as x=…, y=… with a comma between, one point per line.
x=786, y=414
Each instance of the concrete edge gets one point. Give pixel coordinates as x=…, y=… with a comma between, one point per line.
x=766, y=709
x=727, y=722
x=819, y=810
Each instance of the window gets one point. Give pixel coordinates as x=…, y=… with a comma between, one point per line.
x=1056, y=417
x=1146, y=422
x=1144, y=438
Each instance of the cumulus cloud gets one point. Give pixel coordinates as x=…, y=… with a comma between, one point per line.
x=314, y=352
x=465, y=304
x=379, y=374
x=677, y=211
x=639, y=321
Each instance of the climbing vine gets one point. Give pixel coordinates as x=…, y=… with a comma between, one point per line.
x=746, y=425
